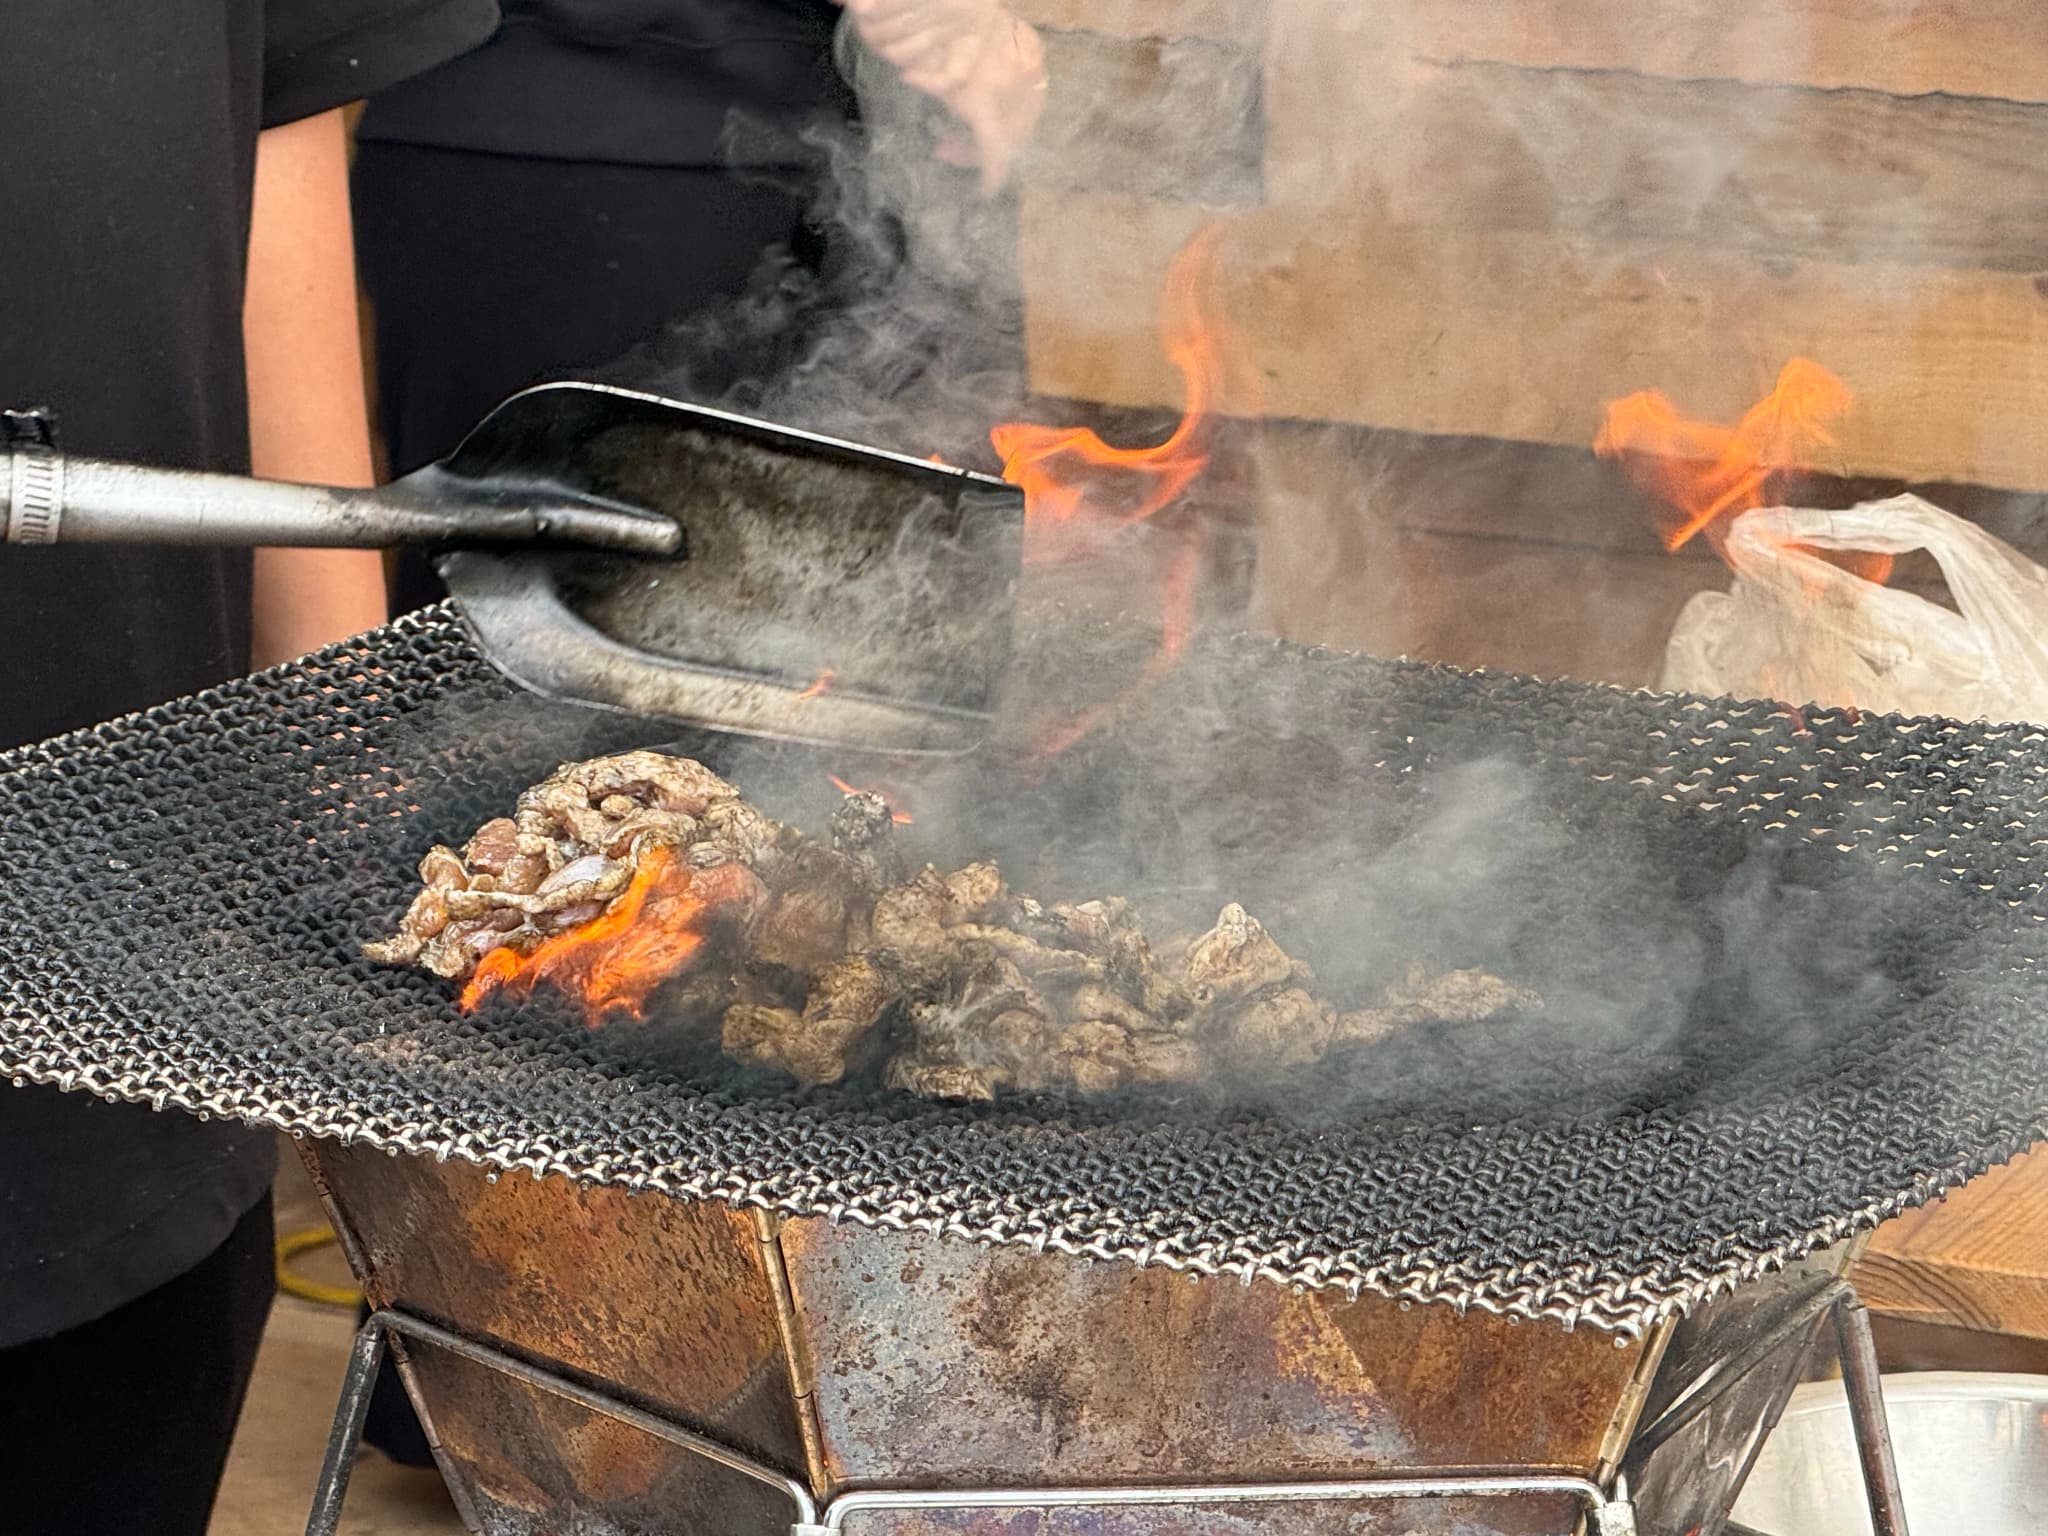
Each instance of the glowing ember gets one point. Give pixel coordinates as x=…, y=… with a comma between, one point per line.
x=614, y=962
x=1707, y=473
x=902, y=818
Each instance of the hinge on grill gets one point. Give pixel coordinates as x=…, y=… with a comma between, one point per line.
x=34, y=481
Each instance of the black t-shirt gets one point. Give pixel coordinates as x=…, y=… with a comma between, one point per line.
x=632, y=82
x=127, y=149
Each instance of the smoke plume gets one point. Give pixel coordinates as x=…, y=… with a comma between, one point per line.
x=1308, y=133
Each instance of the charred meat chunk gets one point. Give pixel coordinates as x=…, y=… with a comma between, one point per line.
x=573, y=846
x=823, y=959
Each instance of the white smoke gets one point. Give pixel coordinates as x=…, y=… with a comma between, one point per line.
x=1313, y=130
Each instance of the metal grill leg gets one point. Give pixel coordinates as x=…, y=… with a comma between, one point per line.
x=356, y=1386
x=347, y=1434
x=1865, y=1393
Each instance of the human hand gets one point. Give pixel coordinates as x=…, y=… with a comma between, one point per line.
x=981, y=62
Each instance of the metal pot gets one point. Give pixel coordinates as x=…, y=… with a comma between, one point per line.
x=1972, y=1451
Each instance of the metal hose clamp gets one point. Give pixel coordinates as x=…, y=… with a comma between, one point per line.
x=35, y=481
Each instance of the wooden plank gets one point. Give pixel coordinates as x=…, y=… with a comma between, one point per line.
x=1447, y=550
x=1091, y=268
x=1906, y=1345
x=1359, y=119
x=1479, y=553
x=1965, y=47
x=1177, y=120
x=1513, y=336
x=1227, y=20
x=1785, y=173
x=1335, y=96
x=1328, y=545
x=1348, y=88
x=1503, y=604
x=1545, y=493
x=1978, y=1259
x=1476, y=487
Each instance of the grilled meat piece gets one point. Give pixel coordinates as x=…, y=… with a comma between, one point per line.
x=1234, y=959
x=814, y=1047
x=587, y=802
x=823, y=1042
x=737, y=830
x=1129, y=967
x=1457, y=997
x=1281, y=1028
x=864, y=830
x=974, y=892
x=1105, y=1005
x=909, y=921
x=817, y=909
x=1027, y=954
x=943, y=1080
x=572, y=847
x=763, y=1035
x=825, y=959
x=1014, y=1015
x=493, y=850
x=856, y=989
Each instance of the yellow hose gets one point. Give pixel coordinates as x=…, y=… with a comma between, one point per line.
x=289, y=1247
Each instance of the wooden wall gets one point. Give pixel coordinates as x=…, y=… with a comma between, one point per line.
x=1455, y=228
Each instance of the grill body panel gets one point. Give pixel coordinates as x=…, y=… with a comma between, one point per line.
x=903, y=1360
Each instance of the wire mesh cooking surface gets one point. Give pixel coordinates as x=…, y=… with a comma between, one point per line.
x=1790, y=966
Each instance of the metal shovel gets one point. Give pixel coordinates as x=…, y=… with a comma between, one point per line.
x=625, y=551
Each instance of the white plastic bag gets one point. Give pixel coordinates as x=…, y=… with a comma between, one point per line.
x=1797, y=628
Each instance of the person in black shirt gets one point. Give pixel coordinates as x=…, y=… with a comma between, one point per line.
x=175, y=261
x=604, y=169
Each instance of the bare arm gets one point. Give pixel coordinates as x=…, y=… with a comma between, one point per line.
x=307, y=417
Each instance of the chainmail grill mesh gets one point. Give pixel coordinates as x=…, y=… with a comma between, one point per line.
x=185, y=891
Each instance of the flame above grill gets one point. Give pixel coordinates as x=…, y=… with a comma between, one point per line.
x=617, y=960
x=1707, y=473
x=1077, y=488
x=1080, y=493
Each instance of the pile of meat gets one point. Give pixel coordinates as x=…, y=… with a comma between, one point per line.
x=828, y=958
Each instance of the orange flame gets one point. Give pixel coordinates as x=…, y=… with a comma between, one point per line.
x=825, y=679
x=1707, y=473
x=900, y=817
x=1079, y=491
x=615, y=961
x=1070, y=476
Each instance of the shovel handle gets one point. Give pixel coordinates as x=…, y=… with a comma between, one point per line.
x=49, y=497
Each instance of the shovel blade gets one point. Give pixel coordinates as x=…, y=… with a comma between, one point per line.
x=827, y=592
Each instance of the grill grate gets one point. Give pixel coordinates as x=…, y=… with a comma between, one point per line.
x=1792, y=966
